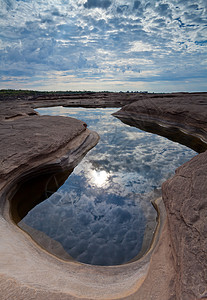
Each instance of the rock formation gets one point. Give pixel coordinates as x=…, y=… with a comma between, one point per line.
x=185, y=198
x=175, y=266
x=185, y=194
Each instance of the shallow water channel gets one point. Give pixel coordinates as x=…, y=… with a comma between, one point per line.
x=102, y=213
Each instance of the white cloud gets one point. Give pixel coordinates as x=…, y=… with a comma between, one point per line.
x=139, y=46
x=92, y=41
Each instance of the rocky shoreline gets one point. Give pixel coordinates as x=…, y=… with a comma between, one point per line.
x=174, y=268
x=184, y=195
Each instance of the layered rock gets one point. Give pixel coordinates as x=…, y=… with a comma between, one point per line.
x=26, y=139
x=180, y=118
x=189, y=110
x=174, y=267
x=184, y=195
x=32, y=146
x=185, y=198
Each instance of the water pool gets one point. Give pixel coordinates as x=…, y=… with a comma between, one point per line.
x=103, y=211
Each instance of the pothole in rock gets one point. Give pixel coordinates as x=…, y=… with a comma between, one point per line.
x=102, y=214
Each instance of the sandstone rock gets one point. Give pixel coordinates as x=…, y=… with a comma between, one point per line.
x=189, y=109
x=185, y=198
x=11, y=110
x=28, y=139
x=175, y=266
x=184, y=195
x=39, y=145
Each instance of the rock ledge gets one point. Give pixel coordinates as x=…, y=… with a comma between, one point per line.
x=175, y=266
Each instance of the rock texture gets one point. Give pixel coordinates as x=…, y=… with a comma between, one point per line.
x=28, y=138
x=175, y=266
x=187, y=109
x=172, y=116
x=33, y=145
x=184, y=195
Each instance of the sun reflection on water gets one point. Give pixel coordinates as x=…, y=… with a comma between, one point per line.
x=99, y=178
x=101, y=213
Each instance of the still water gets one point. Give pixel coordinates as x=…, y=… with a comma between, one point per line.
x=102, y=213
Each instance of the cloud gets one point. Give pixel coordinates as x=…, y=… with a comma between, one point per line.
x=136, y=4
x=97, y=3
x=89, y=230
x=7, y=5
x=164, y=10
x=92, y=41
x=122, y=8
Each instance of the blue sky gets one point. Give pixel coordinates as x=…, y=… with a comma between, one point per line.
x=115, y=45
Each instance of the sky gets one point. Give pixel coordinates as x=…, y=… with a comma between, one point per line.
x=104, y=45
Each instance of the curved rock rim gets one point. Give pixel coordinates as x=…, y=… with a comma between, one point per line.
x=17, y=289
x=135, y=271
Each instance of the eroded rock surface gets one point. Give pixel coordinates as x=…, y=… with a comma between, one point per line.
x=28, y=139
x=188, y=112
x=185, y=198
x=177, y=267
x=38, y=144
x=189, y=109
x=184, y=195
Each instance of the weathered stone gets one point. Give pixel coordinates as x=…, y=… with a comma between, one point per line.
x=34, y=144
x=187, y=109
x=185, y=198
x=174, y=267
x=29, y=138
x=171, y=117
x=184, y=195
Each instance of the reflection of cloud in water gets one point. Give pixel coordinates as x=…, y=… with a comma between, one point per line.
x=99, y=215
x=95, y=227
x=98, y=178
